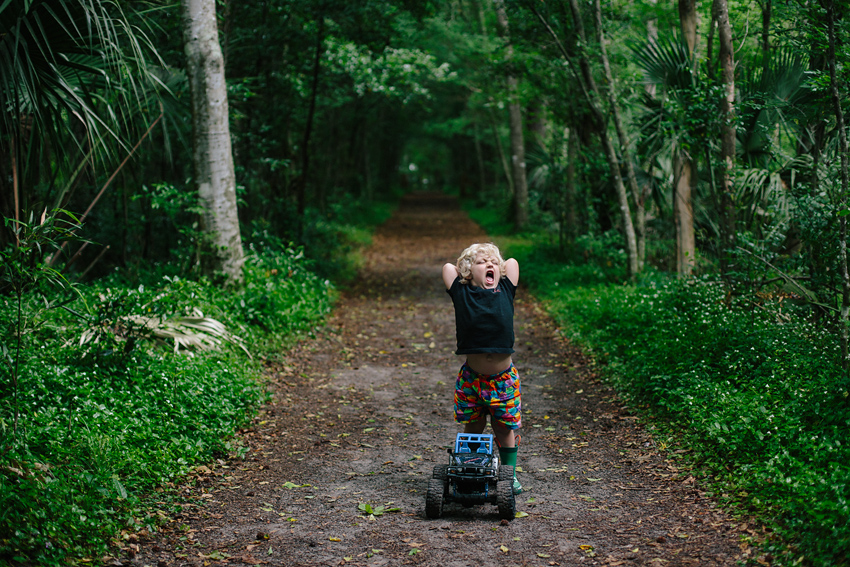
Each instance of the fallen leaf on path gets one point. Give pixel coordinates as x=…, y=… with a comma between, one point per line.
x=503, y=548
x=520, y=514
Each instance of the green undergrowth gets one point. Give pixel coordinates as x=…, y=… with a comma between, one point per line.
x=754, y=393
x=124, y=386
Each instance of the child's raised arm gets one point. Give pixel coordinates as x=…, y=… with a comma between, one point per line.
x=512, y=270
x=449, y=275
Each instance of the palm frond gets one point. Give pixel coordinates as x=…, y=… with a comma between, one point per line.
x=666, y=62
x=758, y=189
x=71, y=75
x=189, y=333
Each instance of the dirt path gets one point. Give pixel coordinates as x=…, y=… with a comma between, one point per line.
x=363, y=413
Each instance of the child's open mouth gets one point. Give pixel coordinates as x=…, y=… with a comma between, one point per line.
x=490, y=277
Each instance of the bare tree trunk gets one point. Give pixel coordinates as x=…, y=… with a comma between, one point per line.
x=622, y=137
x=688, y=23
x=683, y=166
x=727, y=211
x=212, y=155
x=537, y=126
x=709, y=48
x=308, y=130
x=683, y=212
x=844, y=311
x=479, y=155
x=569, y=223
x=517, y=140
x=505, y=166
x=610, y=154
x=766, y=8
x=652, y=38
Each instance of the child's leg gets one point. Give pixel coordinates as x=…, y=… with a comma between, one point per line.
x=507, y=418
x=476, y=426
x=505, y=436
x=469, y=410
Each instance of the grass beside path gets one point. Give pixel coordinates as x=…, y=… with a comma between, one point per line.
x=754, y=395
x=134, y=383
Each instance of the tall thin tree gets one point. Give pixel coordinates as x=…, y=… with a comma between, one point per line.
x=844, y=311
x=593, y=98
x=683, y=164
x=518, y=168
x=212, y=154
x=727, y=212
x=623, y=138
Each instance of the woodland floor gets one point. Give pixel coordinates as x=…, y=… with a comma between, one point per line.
x=361, y=415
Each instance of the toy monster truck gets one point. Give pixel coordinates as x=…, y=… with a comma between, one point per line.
x=473, y=476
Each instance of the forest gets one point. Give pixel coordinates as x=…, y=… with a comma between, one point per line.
x=675, y=173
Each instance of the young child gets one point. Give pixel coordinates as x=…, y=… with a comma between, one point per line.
x=482, y=286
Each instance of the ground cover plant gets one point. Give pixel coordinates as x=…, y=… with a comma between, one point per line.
x=125, y=387
x=756, y=395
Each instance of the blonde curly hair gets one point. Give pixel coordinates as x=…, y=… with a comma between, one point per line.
x=468, y=257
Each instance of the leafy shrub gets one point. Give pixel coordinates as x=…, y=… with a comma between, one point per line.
x=754, y=391
x=121, y=392
x=333, y=239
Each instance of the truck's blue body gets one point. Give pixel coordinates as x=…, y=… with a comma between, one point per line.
x=473, y=476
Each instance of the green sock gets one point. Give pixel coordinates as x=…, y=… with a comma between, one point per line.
x=508, y=457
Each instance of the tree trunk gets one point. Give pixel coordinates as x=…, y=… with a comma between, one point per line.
x=569, y=224
x=593, y=99
x=844, y=310
x=537, y=124
x=766, y=9
x=506, y=168
x=520, y=182
x=688, y=23
x=622, y=137
x=727, y=211
x=212, y=153
x=684, y=214
x=652, y=38
x=311, y=112
x=479, y=155
x=683, y=165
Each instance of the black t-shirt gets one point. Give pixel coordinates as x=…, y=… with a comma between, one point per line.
x=484, y=318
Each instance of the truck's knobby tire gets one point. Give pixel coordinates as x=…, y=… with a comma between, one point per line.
x=505, y=499
x=441, y=472
x=434, y=498
x=506, y=473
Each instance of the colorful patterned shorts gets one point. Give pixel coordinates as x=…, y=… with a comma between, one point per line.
x=498, y=394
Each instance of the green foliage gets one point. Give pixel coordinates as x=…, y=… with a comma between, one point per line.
x=396, y=72
x=282, y=295
x=758, y=394
x=111, y=407
x=24, y=267
x=333, y=239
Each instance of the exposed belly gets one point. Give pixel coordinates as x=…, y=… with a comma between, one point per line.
x=489, y=362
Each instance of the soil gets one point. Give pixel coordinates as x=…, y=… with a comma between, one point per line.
x=361, y=414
